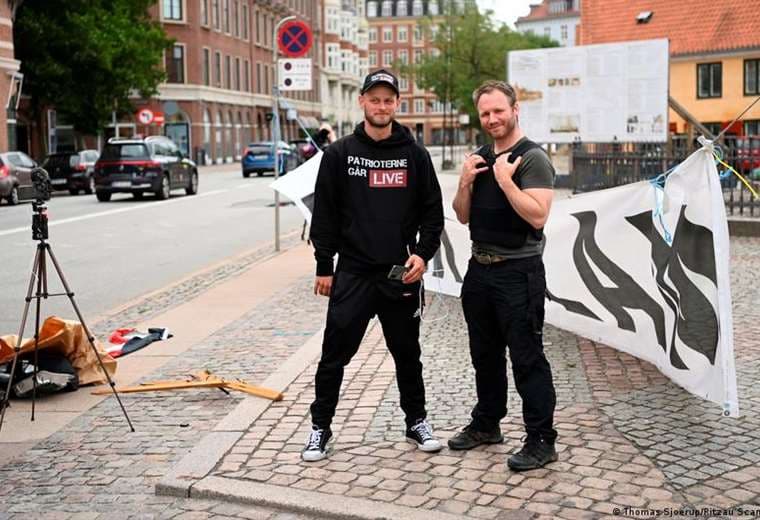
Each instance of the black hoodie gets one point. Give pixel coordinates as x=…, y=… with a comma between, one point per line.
x=370, y=201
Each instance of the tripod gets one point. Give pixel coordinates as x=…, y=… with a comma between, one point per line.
x=39, y=273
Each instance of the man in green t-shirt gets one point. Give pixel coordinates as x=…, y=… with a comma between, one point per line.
x=505, y=193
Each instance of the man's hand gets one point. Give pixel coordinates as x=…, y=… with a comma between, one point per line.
x=470, y=169
x=323, y=285
x=416, y=267
x=504, y=170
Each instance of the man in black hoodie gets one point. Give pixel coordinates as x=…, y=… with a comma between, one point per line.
x=376, y=192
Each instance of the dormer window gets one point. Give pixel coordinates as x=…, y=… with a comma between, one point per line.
x=387, y=8
x=417, y=8
x=371, y=9
x=402, y=8
x=644, y=17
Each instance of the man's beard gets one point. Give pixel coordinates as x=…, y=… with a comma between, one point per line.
x=507, y=128
x=375, y=123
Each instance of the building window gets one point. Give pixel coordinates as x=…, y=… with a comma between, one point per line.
x=751, y=77
x=709, y=80
x=433, y=8
x=226, y=16
x=417, y=34
x=235, y=19
x=402, y=8
x=372, y=9
x=387, y=58
x=403, y=56
x=218, y=69
x=258, y=77
x=237, y=73
x=387, y=34
x=204, y=12
x=417, y=8
x=257, y=27
x=373, y=58
x=245, y=21
x=752, y=127
x=417, y=56
x=173, y=10
x=387, y=8
x=333, y=56
x=227, y=72
x=215, y=14
x=266, y=78
x=373, y=35
x=247, y=77
x=403, y=84
x=404, y=107
x=563, y=32
x=419, y=106
x=206, y=67
x=548, y=32
x=403, y=34
x=176, y=67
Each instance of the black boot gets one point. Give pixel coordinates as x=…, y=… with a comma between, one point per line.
x=535, y=453
x=471, y=437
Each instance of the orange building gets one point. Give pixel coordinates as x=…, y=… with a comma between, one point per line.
x=714, y=53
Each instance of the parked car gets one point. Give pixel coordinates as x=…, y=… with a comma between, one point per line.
x=258, y=158
x=16, y=177
x=73, y=171
x=137, y=166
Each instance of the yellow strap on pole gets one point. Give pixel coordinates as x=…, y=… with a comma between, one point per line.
x=741, y=177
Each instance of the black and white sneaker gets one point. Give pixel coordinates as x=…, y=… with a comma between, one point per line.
x=421, y=434
x=316, y=444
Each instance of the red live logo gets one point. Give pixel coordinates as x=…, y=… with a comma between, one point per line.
x=387, y=178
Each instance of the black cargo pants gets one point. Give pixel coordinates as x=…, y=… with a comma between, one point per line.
x=503, y=305
x=354, y=301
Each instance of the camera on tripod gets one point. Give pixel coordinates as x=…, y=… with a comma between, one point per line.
x=41, y=182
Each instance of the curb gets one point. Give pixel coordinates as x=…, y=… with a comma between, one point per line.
x=743, y=227
x=309, y=502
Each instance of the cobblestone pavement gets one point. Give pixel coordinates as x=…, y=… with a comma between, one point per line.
x=628, y=437
x=95, y=468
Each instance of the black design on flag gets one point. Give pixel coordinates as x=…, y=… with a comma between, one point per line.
x=676, y=269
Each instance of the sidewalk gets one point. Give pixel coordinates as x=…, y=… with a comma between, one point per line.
x=628, y=437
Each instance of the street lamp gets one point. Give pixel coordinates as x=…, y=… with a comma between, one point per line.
x=276, y=127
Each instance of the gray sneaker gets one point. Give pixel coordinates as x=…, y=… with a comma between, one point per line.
x=535, y=453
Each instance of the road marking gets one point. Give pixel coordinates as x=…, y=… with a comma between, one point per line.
x=115, y=211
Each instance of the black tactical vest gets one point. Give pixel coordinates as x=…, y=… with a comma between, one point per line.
x=492, y=218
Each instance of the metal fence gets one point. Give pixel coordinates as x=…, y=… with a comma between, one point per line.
x=597, y=166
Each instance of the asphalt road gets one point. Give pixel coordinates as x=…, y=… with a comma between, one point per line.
x=113, y=252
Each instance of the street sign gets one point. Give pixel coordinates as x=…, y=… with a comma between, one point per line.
x=294, y=38
x=294, y=74
x=158, y=118
x=145, y=116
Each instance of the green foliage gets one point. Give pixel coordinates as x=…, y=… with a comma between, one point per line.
x=472, y=49
x=87, y=57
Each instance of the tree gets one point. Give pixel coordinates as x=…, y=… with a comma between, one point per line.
x=87, y=57
x=470, y=50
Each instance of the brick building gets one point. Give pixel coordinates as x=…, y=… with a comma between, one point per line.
x=10, y=81
x=220, y=74
x=397, y=34
x=556, y=19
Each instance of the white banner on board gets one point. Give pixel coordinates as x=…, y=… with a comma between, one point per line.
x=595, y=93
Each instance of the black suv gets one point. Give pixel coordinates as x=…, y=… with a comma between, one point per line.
x=136, y=166
x=72, y=171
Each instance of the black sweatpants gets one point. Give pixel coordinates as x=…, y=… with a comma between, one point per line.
x=354, y=301
x=504, y=307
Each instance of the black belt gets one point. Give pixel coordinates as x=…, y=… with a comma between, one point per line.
x=488, y=259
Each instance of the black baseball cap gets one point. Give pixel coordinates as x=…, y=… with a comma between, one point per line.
x=380, y=77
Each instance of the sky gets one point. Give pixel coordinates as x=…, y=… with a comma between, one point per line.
x=507, y=10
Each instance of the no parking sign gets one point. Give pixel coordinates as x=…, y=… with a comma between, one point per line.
x=294, y=38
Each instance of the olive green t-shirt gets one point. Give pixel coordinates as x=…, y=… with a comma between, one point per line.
x=537, y=172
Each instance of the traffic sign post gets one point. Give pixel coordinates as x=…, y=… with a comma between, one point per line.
x=294, y=38
x=145, y=116
x=294, y=74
